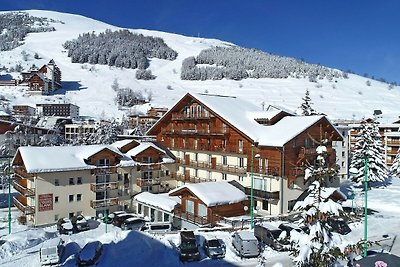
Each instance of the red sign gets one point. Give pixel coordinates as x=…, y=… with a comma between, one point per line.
x=45, y=202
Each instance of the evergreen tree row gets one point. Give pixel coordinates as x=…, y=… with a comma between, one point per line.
x=120, y=48
x=14, y=26
x=237, y=63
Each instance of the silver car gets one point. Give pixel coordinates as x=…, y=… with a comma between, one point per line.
x=214, y=248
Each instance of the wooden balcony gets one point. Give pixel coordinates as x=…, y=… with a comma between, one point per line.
x=108, y=202
x=392, y=152
x=21, y=172
x=303, y=152
x=23, y=189
x=147, y=182
x=231, y=169
x=189, y=179
x=393, y=142
x=149, y=166
x=26, y=210
x=198, y=132
x=194, y=117
x=257, y=193
x=199, y=220
x=271, y=171
x=103, y=170
x=101, y=187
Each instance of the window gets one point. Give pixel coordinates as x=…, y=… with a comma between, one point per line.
x=71, y=198
x=56, y=182
x=78, y=197
x=167, y=173
x=224, y=160
x=240, y=145
x=202, y=210
x=241, y=178
x=189, y=206
x=139, y=208
x=266, y=166
x=265, y=205
x=119, y=176
x=71, y=181
x=71, y=214
x=166, y=217
x=79, y=180
x=241, y=162
x=103, y=162
x=56, y=217
x=56, y=199
x=343, y=154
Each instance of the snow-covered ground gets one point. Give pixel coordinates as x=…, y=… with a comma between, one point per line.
x=90, y=86
x=131, y=248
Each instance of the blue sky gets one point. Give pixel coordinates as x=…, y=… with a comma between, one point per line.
x=362, y=36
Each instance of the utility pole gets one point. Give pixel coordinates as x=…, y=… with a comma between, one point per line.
x=251, y=190
x=9, y=196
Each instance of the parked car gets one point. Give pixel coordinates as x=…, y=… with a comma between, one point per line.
x=51, y=251
x=110, y=218
x=64, y=226
x=133, y=224
x=214, y=248
x=120, y=218
x=157, y=227
x=269, y=235
x=339, y=226
x=188, y=248
x=79, y=223
x=89, y=254
x=246, y=244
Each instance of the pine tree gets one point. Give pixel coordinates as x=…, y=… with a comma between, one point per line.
x=395, y=168
x=368, y=146
x=305, y=107
x=317, y=247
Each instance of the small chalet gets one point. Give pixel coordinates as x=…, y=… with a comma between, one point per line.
x=156, y=207
x=205, y=203
x=45, y=80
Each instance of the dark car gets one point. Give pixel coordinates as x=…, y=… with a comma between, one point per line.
x=110, y=218
x=288, y=227
x=269, y=235
x=89, y=254
x=339, y=226
x=64, y=226
x=214, y=248
x=79, y=223
x=133, y=224
x=119, y=219
x=188, y=249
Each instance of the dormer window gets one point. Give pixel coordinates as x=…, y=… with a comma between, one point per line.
x=103, y=162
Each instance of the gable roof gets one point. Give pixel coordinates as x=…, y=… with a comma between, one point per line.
x=59, y=158
x=241, y=115
x=213, y=193
x=162, y=201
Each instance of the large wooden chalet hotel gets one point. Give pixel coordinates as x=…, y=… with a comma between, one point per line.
x=217, y=138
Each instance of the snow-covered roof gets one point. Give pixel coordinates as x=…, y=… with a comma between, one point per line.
x=162, y=201
x=247, y=235
x=142, y=147
x=59, y=158
x=214, y=193
x=243, y=119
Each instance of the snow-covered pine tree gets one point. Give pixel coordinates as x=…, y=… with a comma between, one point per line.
x=306, y=109
x=395, y=168
x=368, y=146
x=318, y=247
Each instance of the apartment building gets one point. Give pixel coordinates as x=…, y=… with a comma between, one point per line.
x=55, y=182
x=220, y=138
x=72, y=131
x=58, y=109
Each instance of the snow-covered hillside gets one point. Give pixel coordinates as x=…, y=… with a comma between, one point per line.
x=90, y=86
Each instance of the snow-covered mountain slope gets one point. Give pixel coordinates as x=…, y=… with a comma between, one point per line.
x=90, y=86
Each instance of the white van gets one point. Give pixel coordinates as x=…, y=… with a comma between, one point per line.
x=51, y=251
x=157, y=227
x=246, y=244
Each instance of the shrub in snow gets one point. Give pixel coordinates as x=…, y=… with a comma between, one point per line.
x=368, y=146
x=318, y=247
x=144, y=75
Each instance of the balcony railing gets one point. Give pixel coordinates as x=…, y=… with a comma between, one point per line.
x=26, y=210
x=185, y=117
x=26, y=192
x=149, y=166
x=103, y=170
x=108, y=202
x=147, y=182
x=190, y=179
x=392, y=152
x=271, y=171
x=312, y=151
x=100, y=187
x=393, y=142
x=231, y=168
x=199, y=220
x=258, y=193
x=21, y=172
x=200, y=132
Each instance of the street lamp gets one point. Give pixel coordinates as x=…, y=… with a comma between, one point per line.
x=252, y=187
